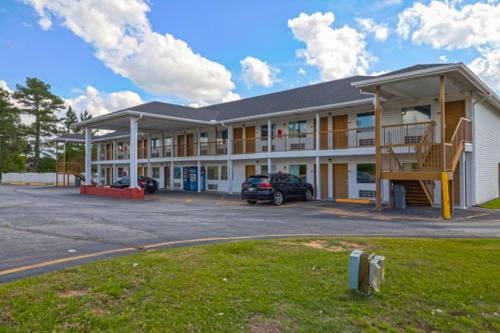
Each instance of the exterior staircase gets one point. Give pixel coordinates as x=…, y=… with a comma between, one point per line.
x=409, y=154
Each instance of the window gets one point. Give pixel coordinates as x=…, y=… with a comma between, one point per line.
x=203, y=137
x=365, y=173
x=299, y=170
x=222, y=134
x=297, y=128
x=223, y=172
x=416, y=114
x=264, y=171
x=167, y=141
x=365, y=120
x=366, y=194
x=155, y=143
x=177, y=172
x=213, y=172
x=156, y=172
x=263, y=131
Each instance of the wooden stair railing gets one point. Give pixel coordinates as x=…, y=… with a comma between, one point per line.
x=456, y=146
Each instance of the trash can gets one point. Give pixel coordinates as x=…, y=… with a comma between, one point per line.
x=399, y=196
x=78, y=181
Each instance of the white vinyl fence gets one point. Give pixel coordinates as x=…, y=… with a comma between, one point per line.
x=34, y=178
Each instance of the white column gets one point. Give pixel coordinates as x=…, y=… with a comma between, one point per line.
x=198, y=145
x=318, y=166
x=330, y=180
x=229, y=162
x=172, y=187
x=148, y=152
x=99, y=168
x=133, y=153
x=269, y=137
x=114, y=176
x=88, y=156
x=199, y=175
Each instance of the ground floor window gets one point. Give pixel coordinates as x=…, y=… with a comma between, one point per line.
x=299, y=170
x=156, y=172
x=177, y=172
x=223, y=172
x=212, y=172
x=365, y=173
x=122, y=172
x=264, y=171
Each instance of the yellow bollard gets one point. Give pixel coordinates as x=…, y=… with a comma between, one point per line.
x=445, y=204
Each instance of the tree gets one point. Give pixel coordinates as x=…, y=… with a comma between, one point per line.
x=38, y=101
x=85, y=115
x=12, y=141
x=69, y=120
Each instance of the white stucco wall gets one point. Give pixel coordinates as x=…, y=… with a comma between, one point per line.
x=487, y=152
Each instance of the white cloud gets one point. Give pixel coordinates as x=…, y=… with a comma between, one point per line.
x=443, y=58
x=256, y=71
x=379, y=30
x=445, y=25
x=99, y=103
x=5, y=86
x=301, y=71
x=124, y=40
x=336, y=53
x=449, y=25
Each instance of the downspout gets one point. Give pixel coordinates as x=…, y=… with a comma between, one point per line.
x=473, y=113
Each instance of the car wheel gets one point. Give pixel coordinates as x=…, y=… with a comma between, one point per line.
x=252, y=201
x=277, y=198
x=309, y=195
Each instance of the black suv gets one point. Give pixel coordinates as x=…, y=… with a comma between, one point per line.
x=149, y=185
x=276, y=188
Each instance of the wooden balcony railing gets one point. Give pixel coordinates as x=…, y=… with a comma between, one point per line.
x=454, y=149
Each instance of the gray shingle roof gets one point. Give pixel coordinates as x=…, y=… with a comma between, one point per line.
x=326, y=93
x=331, y=92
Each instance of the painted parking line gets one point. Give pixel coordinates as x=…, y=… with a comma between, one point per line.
x=205, y=240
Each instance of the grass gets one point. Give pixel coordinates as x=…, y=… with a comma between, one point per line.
x=266, y=286
x=493, y=204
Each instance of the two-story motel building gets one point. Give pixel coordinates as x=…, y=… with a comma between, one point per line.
x=348, y=137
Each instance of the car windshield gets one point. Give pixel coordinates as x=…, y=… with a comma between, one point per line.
x=256, y=180
x=124, y=180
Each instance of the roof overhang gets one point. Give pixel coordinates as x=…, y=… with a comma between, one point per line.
x=120, y=121
x=423, y=83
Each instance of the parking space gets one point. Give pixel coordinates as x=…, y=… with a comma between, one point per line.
x=39, y=224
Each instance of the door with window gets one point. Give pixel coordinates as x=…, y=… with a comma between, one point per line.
x=340, y=124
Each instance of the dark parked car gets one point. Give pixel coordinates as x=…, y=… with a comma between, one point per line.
x=276, y=188
x=149, y=185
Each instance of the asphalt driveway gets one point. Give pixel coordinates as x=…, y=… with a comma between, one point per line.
x=45, y=228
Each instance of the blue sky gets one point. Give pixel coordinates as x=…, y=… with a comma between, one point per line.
x=225, y=33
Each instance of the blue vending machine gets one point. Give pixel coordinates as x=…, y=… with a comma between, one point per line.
x=190, y=178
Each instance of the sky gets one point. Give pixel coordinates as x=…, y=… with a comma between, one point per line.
x=105, y=55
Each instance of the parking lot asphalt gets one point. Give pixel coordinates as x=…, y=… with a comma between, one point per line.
x=46, y=228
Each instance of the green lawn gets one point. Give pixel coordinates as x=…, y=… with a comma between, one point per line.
x=493, y=204
x=266, y=286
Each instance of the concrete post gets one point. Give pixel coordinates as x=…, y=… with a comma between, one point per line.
x=229, y=161
x=133, y=153
x=88, y=156
x=148, y=149
x=99, y=167
x=318, y=166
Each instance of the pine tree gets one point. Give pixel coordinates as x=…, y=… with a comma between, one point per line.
x=69, y=120
x=85, y=115
x=12, y=141
x=38, y=101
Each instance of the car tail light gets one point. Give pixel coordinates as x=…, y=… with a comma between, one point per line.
x=142, y=182
x=265, y=185
x=244, y=184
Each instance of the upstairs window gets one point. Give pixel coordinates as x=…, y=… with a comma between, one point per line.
x=263, y=131
x=297, y=128
x=365, y=120
x=167, y=141
x=416, y=114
